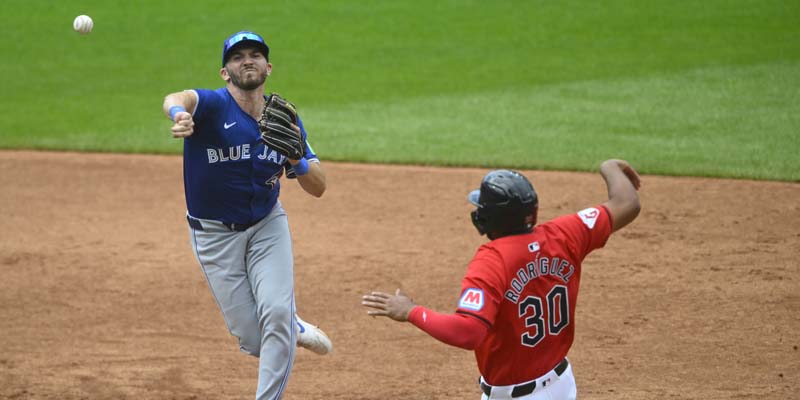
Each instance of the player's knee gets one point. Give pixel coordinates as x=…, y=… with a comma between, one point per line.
x=249, y=335
x=278, y=316
x=250, y=343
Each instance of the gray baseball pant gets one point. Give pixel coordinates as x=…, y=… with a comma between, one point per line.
x=251, y=275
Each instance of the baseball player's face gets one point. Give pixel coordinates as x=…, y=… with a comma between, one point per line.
x=247, y=68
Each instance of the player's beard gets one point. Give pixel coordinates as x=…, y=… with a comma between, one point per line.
x=247, y=81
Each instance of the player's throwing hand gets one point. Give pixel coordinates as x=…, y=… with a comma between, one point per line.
x=184, y=125
x=396, y=307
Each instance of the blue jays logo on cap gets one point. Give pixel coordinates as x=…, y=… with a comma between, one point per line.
x=241, y=37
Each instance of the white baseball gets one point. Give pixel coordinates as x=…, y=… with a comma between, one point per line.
x=83, y=24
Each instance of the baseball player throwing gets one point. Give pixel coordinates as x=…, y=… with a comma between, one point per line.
x=239, y=231
x=517, y=305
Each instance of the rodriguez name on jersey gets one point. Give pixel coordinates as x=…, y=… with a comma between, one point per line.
x=541, y=266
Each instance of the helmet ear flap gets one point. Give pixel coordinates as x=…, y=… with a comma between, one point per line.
x=480, y=225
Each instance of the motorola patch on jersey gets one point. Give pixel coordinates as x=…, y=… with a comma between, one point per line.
x=589, y=216
x=472, y=299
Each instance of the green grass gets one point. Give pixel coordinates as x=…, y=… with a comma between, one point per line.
x=676, y=87
x=707, y=122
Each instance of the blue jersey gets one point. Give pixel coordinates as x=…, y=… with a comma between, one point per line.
x=229, y=174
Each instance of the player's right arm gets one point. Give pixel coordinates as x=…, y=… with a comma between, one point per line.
x=623, y=200
x=179, y=107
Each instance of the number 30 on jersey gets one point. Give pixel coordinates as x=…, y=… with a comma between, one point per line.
x=557, y=315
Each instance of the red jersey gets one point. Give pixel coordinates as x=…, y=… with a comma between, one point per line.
x=525, y=287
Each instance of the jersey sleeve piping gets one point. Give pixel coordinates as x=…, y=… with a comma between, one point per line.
x=484, y=320
x=196, y=98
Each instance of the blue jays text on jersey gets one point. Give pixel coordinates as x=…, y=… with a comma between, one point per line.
x=229, y=174
x=242, y=152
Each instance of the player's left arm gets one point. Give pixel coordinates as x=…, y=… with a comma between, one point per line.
x=460, y=330
x=313, y=182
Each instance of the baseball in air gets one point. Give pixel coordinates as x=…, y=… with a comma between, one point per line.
x=83, y=24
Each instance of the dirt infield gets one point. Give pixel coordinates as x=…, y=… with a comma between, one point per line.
x=101, y=298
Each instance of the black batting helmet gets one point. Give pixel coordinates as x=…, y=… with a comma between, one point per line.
x=505, y=201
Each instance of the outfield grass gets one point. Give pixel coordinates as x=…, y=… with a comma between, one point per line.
x=677, y=87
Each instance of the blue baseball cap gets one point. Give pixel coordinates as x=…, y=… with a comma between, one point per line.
x=243, y=37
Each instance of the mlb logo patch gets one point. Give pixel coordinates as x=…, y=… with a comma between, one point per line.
x=589, y=216
x=533, y=247
x=472, y=299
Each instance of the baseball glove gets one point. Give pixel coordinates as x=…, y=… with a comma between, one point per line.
x=277, y=127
